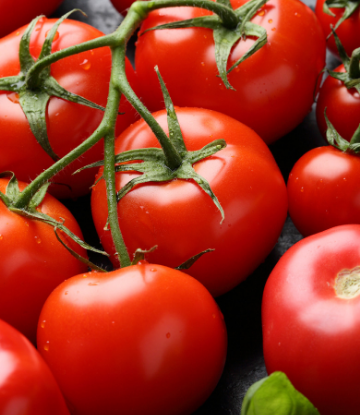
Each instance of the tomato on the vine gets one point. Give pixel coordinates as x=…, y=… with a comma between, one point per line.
x=27, y=386
x=143, y=339
x=16, y=14
x=182, y=220
x=33, y=262
x=311, y=324
x=323, y=190
x=86, y=74
x=342, y=106
x=273, y=88
x=348, y=31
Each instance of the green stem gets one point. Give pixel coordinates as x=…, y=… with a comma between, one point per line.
x=109, y=162
x=354, y=67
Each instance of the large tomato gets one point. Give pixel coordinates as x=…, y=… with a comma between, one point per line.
x=16, y=14
x=143, y=339
x=311, y=324
x=323, y=190
x=274, y=87
x=342, y=107
x=181, y=219
x=86, y=74
x=33, y=262
x=348, y=31
x=27, y=386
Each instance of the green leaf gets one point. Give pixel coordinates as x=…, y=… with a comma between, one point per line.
x=276, y=395
x=187, y=264
x=34, y=105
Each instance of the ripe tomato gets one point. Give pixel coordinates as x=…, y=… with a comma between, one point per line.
x=274, y=87
x=122, y=6
x=14, y=15
x=27, y=386
x=143, y=339
x=342, y=107
x=33, y=262
x=86, y=74
x=311, y=325
x=323, y=190
x=348, y=31
x=181, y=219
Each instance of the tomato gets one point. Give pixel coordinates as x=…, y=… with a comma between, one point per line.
x=181, y=219
x=122, y=6
x=33, y=262
x=14, y=15
x=311, y=325
x=143, y=339
x=86, y=74
x=342, y=107
x=274, y=87
x=323, y=190
x=27, y=386
x=348, y=31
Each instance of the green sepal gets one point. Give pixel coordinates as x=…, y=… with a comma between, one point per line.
x=276, y=395
x=80, y=258
x=350, y=7
x=139, y=254
x=39, y=196
x=188, y=263
x=12, y=83
x=34, y=105
x=12, y=188
x=335, y=139
x=25, y=58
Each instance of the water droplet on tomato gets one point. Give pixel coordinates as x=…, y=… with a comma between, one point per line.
x=302, y=189
x=344, y=179
x=42, y=325
x=202, y=63
x=168, y=335
x=17, y=33
x=153, y=269
x=84, y=275
x=46, y=346
x=1, y=237
x=213, y=316
x=86, y=65
x=38, y=240
x=273, y=29
x=13, y=97
x=270, y=21
x=92, y=52
x=66, y=292
x=261, y=13
x=92, y=283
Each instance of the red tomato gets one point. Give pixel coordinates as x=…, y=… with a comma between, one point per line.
x=122, y=6
x=16, y=14
x=143, y=339
x=27, y=386
x=86, y=74
x=181, y=219
x=33, y=262
x=323, y=190
x=342, y=107
x=348, y=31
x=311, y=324
x=274, y=87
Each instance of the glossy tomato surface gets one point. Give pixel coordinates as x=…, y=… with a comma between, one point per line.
x=323, y=190
x=16, y=14
x=342, y=107
x=26, y=384
x=143, y=339
x=122, y=6
x=181, y=219
x=309, y=331
x=274, y=87
x=86, y=74
x=348, y=31
x=33, y=262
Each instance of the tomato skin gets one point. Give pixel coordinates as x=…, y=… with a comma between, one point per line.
x=342, y=107
x=157, y=334
x=323, y=190
x=14, y=15
x=27, y=385
x=122, y=6
x=308, y=331
x=348, y=31
x=181, y=219
x=33, y=262
x=86, y=74
x=270, y=98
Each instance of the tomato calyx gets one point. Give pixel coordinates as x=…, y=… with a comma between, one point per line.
x=351, y=76
x=335, y=139
x=13, y=194
x=35, y=95
x=226, y=37
x=347, y=283
x=349, y=7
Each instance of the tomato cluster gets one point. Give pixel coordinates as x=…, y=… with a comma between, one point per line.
x=147, y=337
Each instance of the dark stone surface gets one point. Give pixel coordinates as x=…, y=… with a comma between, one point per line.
x=242, y=306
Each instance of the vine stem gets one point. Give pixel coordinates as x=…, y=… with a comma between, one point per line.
x=354, y=68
